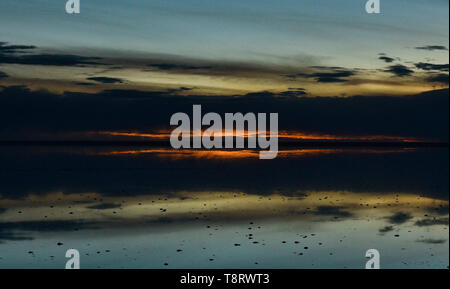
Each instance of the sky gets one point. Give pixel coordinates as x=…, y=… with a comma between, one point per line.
x=271, y=38
x=226, y=49
x=232, y=29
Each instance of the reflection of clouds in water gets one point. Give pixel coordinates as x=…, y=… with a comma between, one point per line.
x=12, y=236
x=213, y=154
x=104, y=206
x=440, y=210
x=432, y=241
x=350, y=201
x=399, y=218
x=432, y=222
x=9, y=230
x=386, y=229
x=334, y=211
x=60, y=211
x=187, y=229
x=77, y=170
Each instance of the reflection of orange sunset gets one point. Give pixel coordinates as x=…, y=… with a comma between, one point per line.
x=245, y=154
x=284, y=134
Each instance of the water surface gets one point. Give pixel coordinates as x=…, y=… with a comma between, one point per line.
x=155, y=208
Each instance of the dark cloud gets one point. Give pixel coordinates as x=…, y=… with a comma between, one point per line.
x=423, y=116
x=441, y=210
x=48, y=59
x=432, y=241
x=432, y=222
x=85, y=83
x=105, y=206
x=13, y=236
x=103, y=79
x=288, y=94
x=431, y=66
x=166, y=220
x=386, y=59
x=335, y=211
x=332, y=75
x=82, y=168
x=4, y=49
x=169, y=66
x=386, y=229
x=199, y=66
x=21, y=54
x=439, y=78
x=44, y=226
x=432, y=47
x=399, y=218
x=15, y=231
x=399, y=70
x=293, y=92
x=3, y=75
x=179, y=89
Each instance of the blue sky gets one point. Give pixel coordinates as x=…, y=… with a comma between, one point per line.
x=250, y=29
x=285, y=37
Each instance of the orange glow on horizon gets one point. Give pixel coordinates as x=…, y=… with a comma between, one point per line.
x=245, y=154
x=286, y=135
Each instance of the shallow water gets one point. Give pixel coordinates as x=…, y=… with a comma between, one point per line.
x=141, y=208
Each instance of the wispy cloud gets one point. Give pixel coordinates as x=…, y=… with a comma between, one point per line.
x=103, y=79
x=326, y=75
x=432, y=241
x=432, y=222
x=432, y=47
x=105, y=206
x=23, y=54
